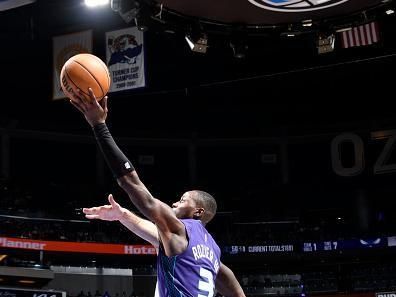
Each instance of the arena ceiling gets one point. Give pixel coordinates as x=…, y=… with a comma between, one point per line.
x=269, y=12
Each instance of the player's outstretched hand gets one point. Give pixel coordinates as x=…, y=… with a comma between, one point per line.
x=110, y=212
x=95, y=112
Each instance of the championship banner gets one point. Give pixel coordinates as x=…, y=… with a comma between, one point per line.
x=77, y=247
x=125, y=59
x=9, y=4
x=64, y=47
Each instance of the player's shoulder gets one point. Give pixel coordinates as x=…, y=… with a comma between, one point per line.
x=193, y=224
x=188, y=222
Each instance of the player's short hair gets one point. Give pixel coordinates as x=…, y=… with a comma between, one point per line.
x=207, y=202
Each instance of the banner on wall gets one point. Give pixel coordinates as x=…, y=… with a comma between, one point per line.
x=125, y=59
x=362, y=35
x=64, y=47
x=77, y=247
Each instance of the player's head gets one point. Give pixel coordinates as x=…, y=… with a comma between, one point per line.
x=197, y=205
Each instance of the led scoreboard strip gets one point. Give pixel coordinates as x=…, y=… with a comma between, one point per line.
x=348, y=244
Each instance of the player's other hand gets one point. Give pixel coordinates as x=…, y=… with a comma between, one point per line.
x=110, y=212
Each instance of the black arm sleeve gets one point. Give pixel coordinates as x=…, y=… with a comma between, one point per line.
x=115, y=158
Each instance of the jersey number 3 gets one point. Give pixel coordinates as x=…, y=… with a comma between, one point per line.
x=206, y=282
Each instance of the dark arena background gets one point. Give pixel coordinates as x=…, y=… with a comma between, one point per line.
x=283, y=110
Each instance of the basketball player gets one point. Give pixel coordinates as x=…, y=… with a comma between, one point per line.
x=188, y=261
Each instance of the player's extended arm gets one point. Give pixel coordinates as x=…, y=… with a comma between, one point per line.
x=141, y=227
x=171, y=229
x=114, y=212
x=227, y=284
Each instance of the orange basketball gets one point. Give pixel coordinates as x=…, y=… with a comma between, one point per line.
x=85, y=71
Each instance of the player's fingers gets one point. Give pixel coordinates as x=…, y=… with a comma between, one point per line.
x=76, y=105
x=76, y=97
x=92, y=95
x=92, y=210
x=112, y=201
x=89, y=216
x=79, y=95
x=88, y=210
x=105, y=104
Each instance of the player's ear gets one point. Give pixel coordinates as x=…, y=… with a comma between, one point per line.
x=199, y=213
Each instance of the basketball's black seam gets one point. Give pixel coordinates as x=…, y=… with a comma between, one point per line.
x=92, y=76
x=68, y=76
x=106, y=70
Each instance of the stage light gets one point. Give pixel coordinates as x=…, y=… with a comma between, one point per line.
x=307, y=23
x=326, y=43
x=200, y=45
x=95, y=3
x=128, y=10
x=189, y=42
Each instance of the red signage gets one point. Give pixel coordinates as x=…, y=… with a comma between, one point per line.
x=77, y=247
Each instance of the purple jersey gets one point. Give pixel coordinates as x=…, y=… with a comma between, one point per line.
x=192, y=273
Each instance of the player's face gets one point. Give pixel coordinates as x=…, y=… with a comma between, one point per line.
x=185, y=207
